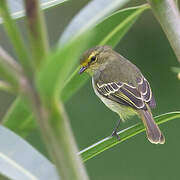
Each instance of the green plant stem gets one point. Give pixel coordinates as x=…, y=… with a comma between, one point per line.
x=37, y=32
x=15, y=38
x=61, y=145
x=57, y=135
x=167, y=13
x=51, y=115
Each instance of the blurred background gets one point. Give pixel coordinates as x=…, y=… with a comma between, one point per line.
x=136, y=159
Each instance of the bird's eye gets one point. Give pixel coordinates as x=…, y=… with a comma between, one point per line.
x=93, y=58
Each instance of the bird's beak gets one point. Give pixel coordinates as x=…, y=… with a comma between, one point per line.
x=82, y=69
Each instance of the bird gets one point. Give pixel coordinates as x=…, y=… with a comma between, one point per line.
x=122, y=88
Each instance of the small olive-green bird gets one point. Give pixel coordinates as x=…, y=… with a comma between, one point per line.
x=122, y=88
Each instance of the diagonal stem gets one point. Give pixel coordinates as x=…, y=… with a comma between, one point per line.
x=167, y=13
x=51, y=116
x=10, y=70
x=15, y=37
x=4, y=86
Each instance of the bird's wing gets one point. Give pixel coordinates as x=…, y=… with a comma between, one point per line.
x=126, y=94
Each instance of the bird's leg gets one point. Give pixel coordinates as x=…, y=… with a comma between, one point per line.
x=114, y=133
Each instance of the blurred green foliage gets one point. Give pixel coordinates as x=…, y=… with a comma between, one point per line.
x=147, y=47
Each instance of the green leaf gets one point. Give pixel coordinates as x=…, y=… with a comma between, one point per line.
x=71, y=84
x=110, y=31
x=19, y=160
x=125, y=134
x=52, y=75
x=85, y=19
x=17, y=7
x=18, y=118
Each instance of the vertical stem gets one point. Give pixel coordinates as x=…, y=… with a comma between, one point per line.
x=167, y=13
x=37, y=31
x=51, y=116
x=61, y=144
x=58, y=137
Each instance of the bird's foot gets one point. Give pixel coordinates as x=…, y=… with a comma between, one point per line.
x=114, y=134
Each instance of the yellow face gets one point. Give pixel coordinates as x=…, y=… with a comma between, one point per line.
x=89, y=59
x=88, y=62
x=93, y=58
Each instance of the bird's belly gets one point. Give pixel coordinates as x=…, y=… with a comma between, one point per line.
x=123, y=111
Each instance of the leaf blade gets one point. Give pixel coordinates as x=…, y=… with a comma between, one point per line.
x=125, y=134
x=18, y=117
x=79, y=23
x=19, y=160
x=70, y=88
x=54, y=73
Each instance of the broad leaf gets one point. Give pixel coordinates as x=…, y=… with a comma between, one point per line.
x=125, y=134
x=19, y=160
x=85, y=19
x=71, y=87
x=18, y=118
x=52, y=75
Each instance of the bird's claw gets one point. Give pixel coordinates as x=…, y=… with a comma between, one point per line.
x=114, y=134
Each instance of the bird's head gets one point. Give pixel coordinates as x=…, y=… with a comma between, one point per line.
x=94, y=58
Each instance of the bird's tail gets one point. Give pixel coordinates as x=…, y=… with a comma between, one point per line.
x=153, y=132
